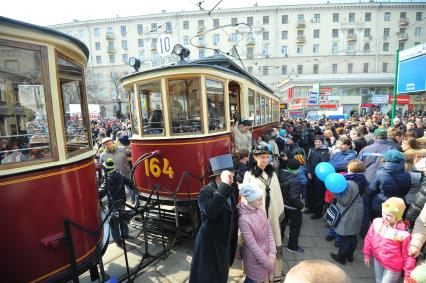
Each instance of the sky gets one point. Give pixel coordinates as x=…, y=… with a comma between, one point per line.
x=50, y=12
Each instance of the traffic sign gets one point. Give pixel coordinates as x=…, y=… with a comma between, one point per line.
x=165, y=45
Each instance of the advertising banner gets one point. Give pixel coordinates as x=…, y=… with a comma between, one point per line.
x=412, y=66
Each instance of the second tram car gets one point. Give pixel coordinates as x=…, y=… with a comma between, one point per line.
x=185, y=111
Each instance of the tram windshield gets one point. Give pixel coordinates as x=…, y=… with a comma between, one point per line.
x=24, y=127
x=215, y=105
x=152, y=108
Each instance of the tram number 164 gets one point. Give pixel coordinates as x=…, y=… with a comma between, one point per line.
x=153, y=167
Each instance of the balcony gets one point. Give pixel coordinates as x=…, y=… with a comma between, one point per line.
x=350, y=52
x=111, y=49
x=300, y=39
x=110, y=36
x=402, y=36
x=153, y=45
x=403, y=22
x=351, y=37
x=300, y=24
x=250, y=42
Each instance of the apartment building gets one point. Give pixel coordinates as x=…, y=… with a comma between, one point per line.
x=348, y=47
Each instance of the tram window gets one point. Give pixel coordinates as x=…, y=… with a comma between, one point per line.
x=215, y=105
x=258, y=110
x=262, y=108
x=184, y=95
x=271, y=110
x=152, y=108
x=74, y=112
x=267, y=110
x=133, y=112
x=251, y=104
x=24, y=126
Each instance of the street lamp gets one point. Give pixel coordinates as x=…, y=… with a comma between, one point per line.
x=119, y=105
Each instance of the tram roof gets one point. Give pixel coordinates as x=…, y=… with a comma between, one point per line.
x=64, y=36
x=218, y=62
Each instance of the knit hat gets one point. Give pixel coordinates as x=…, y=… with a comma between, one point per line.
x=396, y=120
x=109, y=164
x=394, y=206
x=380, y=132
x=293, y=164
x=300, y=158
x=104, y=140
x=319, y=138
x=250, y=191
x=393, y=156
x=282, y=133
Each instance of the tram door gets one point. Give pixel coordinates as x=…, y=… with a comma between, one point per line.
x=234, y=101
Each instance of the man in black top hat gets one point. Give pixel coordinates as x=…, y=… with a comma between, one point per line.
x=216, y=241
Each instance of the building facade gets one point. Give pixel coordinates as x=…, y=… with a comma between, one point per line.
x=346, y=47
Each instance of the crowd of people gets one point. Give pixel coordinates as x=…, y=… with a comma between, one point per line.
x=383, y=163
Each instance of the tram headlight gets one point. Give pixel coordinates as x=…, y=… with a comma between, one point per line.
x=135, y=63
x=181, y=51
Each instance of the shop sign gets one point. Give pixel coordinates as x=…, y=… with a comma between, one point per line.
x=379, y=99
x=418, y=99
x=400, y=99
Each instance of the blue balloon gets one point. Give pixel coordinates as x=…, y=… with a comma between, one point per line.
x=335, y=183
x=323, y=169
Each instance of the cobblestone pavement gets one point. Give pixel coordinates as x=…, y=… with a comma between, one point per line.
x=175, y=268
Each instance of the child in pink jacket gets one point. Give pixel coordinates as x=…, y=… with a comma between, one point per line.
x=387, y=241
x=259, y=251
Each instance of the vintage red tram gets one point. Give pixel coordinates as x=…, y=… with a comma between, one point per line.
x=185, y=111
x=47, y=169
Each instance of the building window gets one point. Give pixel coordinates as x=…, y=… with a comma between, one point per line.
x=284, y=49
x=123, y=30
x=299, y=69
x=367, y=32
x=265, y=35
x=351, y=31
x=109, y=29
x=216, y=38
x=98, y=60
x=300, y=32
x=335, y=33
x=215, y=23
x=81, y=33
x=316, y=33
x=351, y=47
x=334, y=68
x=418, y=16
x=110, y=43
x=402, y=15
x=266, y=20
x=185, y=24
x=140, y=42
x=201, y=23
x=168, y=27
x=250, y=69
x=315, y=48
x=250, y=53
x=284, y=70
x=335, y=17
x=140, y=28
x=284, y=34
x=401, y=46
x=386, y=32
x=250, y=21
x=334, y=48
x=234, y=21
x=265, y=70
x=300, y=18
x=351, y=17
x=317, y=18
x=299, y=49
x=124, y=44
x=385, y=67
x=366, y=47
x=386, y=46
x=185, y=40
x=201, y=53
x=202, y=40
x=153, y=27
x=368, y=17
x=284, y=19
x=315, y=69
x=417, y=31
x=265, y=51
x=350, y=68
x=97, y=45
x=365, y=69
x=97, y=32
x=387, y=16
x=111, y=59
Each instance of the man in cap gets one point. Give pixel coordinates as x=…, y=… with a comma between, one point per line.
x=216, y=240
x=119, y=154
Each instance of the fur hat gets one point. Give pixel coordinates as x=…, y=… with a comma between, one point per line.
x=109, y=164
x=250, y=191
x=394, y=206
x=393, y=156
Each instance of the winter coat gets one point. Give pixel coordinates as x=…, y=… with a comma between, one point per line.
x=416, y=179
x=341, y=159
x=291, y=189
x=114, y=186
x=242, y=140
x=258, y=242
x=280, y=141
x=301, y=173
x=315, y=156
x=119, y=155
x=391, y=180
x=275, y=211
x=389, y=246
x=360, y=180
x=216, y=240
x=411, y=153
x=418, y=236
x=371, y=156
x=350, y=223
x=418, y=203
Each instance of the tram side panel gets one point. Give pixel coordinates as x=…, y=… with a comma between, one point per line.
x=33, y=208
x=177, y=156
